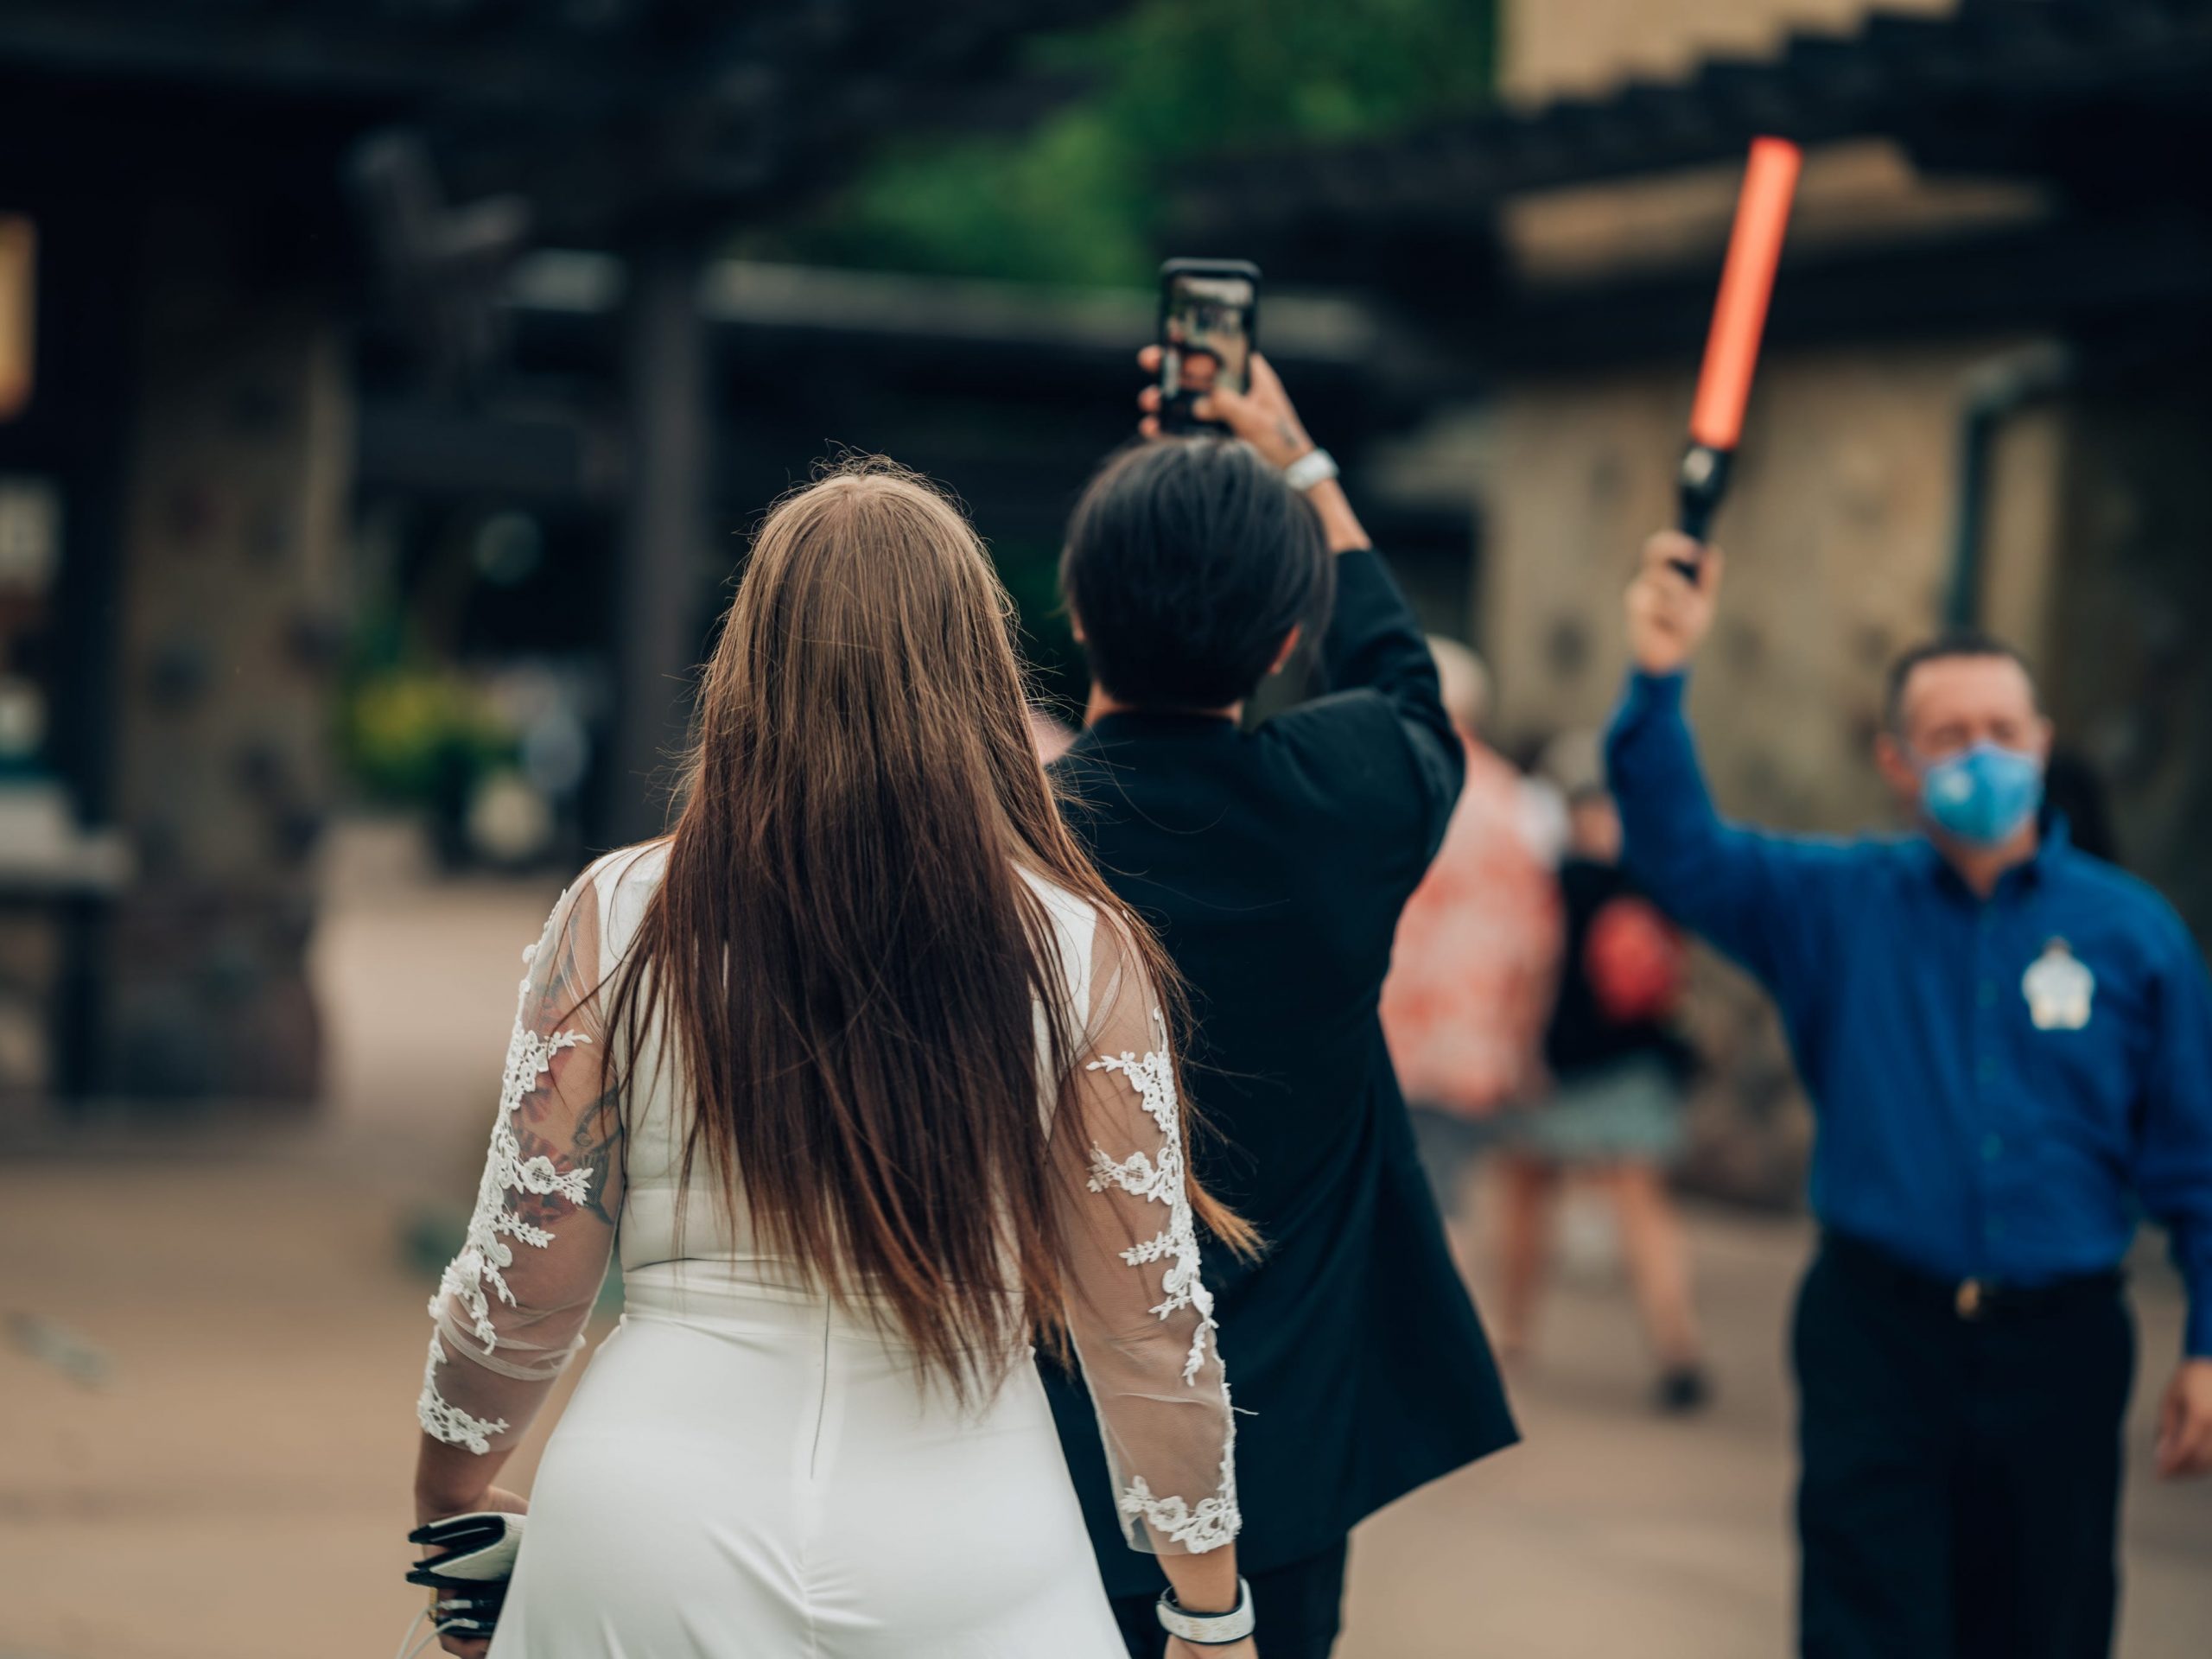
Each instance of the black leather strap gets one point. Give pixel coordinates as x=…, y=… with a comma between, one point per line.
x=1990, y=1299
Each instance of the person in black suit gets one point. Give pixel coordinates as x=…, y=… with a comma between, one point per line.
x=1274, y=861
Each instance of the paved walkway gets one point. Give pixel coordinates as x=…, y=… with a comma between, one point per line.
x=1612, y=1531
x=209, y=1354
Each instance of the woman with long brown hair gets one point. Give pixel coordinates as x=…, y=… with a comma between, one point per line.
x=866, y=1075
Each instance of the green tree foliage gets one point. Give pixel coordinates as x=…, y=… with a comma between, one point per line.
x=1081, y=198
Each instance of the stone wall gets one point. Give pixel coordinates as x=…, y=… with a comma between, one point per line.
x=1838, y=527
x=229, y=639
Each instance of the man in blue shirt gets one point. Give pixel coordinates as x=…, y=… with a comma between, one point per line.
x=2008, y=1045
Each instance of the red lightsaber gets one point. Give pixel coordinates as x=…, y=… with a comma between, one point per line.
x=1731, y=349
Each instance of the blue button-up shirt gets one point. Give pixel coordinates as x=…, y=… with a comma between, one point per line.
x=1999, y=1083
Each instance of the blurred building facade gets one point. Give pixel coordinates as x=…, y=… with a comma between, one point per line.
x=426, y=305
x=177, y=470
x=218, y=227
x=1981, y=400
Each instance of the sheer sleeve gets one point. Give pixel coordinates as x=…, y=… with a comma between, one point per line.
x=510, y=1311
x=1141, y=1318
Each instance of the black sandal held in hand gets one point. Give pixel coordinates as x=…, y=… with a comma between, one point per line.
x=470, y=1576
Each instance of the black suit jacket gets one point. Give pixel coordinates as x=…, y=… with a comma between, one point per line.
x=1273, y=862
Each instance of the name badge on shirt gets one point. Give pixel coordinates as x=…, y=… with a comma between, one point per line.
x=2058, y=986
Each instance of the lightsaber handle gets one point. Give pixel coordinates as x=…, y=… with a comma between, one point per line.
x=1699, y=484
x=1732, y=346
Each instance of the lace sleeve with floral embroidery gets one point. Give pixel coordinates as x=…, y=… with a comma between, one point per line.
x=510, y=1311
x=1140, y=1315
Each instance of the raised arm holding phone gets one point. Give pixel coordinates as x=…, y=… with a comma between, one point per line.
x=2008, y=1045
x=1274, y=861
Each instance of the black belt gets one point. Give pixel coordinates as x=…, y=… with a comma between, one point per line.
x=1967, y=1299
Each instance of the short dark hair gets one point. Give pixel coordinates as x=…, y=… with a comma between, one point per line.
x=1187, y=561
x=1951, y=642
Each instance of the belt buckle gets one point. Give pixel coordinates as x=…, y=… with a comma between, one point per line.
x=1969, y=1301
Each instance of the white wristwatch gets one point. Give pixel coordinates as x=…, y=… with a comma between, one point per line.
x=1208, y=1629
x=1314, y=467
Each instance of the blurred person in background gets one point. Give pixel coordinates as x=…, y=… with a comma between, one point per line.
x=867, y=1073
x=1275, y=862
x=1612, y=1117
x=1476, y=959
x=2008, y=1045
x=1543, y=808
x=1047, y=735
x=2074, y=790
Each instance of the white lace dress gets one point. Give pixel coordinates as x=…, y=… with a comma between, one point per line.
x=745, y=1469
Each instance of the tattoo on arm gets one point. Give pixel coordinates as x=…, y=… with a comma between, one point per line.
x=593, y=1144
x=598, y=1146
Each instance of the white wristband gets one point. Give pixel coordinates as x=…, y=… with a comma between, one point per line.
x=1314, y=467
x=1208, y=1629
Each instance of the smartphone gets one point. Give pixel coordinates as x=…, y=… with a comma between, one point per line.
x=1209, y=324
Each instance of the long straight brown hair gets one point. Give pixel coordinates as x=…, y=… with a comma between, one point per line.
x=843, y=953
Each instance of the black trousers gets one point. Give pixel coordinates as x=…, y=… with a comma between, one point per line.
x=1960, y=1492
x=1299, y=1608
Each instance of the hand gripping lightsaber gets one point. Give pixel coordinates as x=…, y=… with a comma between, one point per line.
x=1731, y=349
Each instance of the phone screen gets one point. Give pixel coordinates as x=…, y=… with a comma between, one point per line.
x=1206, y=334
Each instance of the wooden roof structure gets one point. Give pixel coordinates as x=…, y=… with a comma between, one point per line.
x=607, y=116
x=1996, y=87
x=2105, y=104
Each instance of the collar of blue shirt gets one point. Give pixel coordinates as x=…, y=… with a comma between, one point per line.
x=2053, y=843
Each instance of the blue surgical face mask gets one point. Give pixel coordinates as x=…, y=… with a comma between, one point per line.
x=1982, y=795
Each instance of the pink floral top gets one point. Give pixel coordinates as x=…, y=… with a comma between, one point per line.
x=1477, y=957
